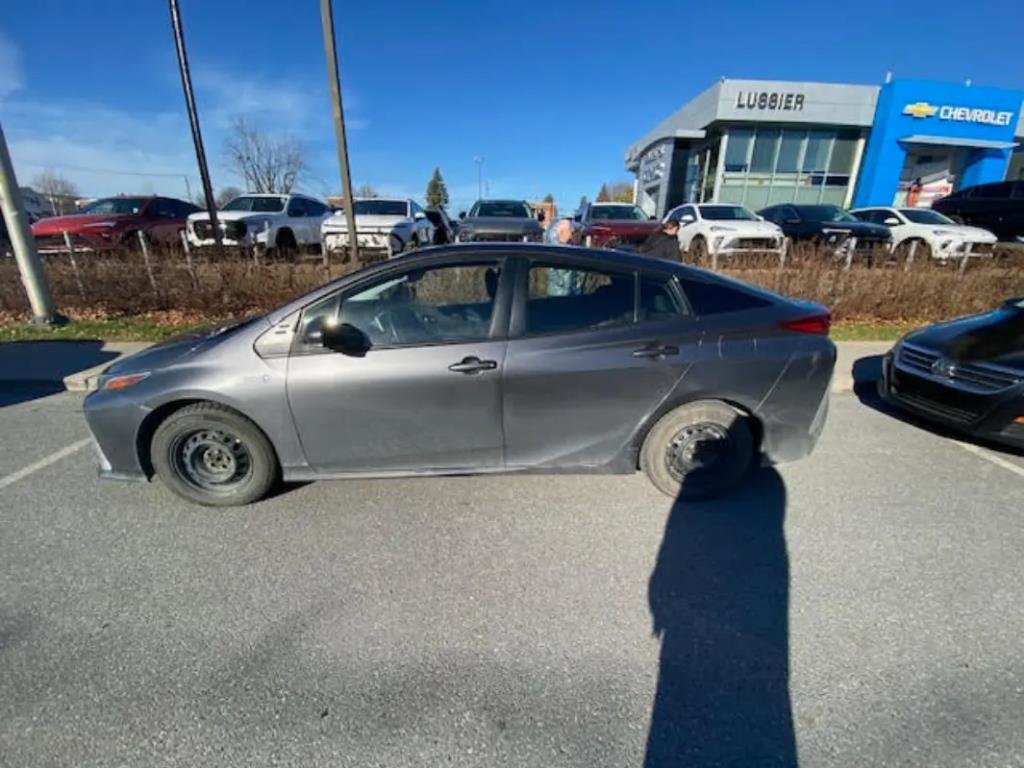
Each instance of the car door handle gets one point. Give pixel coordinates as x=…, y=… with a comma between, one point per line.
x=656, y=350
x=473, y=365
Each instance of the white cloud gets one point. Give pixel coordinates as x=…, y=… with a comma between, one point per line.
x=10, y=67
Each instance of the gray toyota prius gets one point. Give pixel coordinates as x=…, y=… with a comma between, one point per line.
x=478, y=358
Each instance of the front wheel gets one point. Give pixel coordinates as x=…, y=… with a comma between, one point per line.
x=699, y=250
x=698, y=450
x=211, y=455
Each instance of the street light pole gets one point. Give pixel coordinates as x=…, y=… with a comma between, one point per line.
x=334, y=78
x=193, y=119
x=24, y=245
x=479, y=160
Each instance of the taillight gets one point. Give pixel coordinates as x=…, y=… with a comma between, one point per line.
x=819, y=324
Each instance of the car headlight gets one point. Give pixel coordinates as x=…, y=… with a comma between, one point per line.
x=943, y=233
x=99, y=224
x=114, y=383
x=718, y=228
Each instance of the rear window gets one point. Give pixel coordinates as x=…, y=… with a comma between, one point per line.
x=709, y=298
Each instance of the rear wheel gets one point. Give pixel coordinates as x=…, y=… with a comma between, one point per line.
x=211, y=455
x=698, y=450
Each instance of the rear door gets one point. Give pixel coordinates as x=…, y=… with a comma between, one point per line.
x=593, y=350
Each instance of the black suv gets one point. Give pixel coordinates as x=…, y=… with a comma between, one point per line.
x=825, y=224
x=997, y=207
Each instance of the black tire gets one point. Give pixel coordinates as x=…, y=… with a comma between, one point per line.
x=672, y=456
x=211, y=455
x=922, y=253
x=698, y=250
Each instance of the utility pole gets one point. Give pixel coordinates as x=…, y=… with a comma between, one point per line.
x=193, y=119
x=479, y=160
x=24, y=245
x=327, y=21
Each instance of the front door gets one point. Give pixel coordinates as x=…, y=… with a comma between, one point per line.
x=427, y=394
x=596, y=351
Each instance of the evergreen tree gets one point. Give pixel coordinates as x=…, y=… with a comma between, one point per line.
x=549, y=198
x=603, y=195
x=437, y=192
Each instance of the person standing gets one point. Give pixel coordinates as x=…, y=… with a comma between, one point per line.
x=664, y=243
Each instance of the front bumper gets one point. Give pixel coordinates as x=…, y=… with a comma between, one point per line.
x=380, y=240
x=54, y=244
x=987, y=416
x=726, y=245
x=115, y=424
x=471, y=236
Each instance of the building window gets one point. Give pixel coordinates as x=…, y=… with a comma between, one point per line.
x=816, y=154
x=765, y=143
x=789, y=151
x=737, y=150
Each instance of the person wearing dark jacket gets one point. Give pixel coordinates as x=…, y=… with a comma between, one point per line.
x=664, y=243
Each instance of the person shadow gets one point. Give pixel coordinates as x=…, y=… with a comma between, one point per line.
x=719, y=601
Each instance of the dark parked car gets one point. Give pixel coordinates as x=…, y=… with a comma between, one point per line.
x=967, y=374
x=616, y=224
x=499, y=220
x=826, y=225
x=113, y=222
x=478, y=359
x=997, y=207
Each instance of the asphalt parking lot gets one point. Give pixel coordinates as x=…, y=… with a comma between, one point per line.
x=862, y=607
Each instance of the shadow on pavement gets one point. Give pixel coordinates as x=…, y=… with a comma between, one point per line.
x=34, y=369
x=867, y=371
x=719, y=600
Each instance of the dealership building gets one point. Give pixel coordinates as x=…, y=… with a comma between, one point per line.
x=759, y=142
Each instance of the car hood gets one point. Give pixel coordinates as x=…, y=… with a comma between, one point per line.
x=177, y=348
x=337, y=223
x=625, y=227
x=57, y=224
x=747, y=228
x=232, y=215
x=995, y=337
x=500, y=224
x=858, y=228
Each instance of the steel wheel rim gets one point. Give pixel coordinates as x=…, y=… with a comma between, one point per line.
x=212, y=460
x=698, y=452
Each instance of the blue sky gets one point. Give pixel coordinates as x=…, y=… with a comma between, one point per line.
x=550, y=94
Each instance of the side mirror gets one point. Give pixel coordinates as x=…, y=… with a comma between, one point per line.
x=892, y=221
x=419, y=216
x=686, y=219
x=345, y=338
x=462, y=214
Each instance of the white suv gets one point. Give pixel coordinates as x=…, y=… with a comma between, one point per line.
x=263, y=221
x=384, y=225
x=723, y=229
x=936, y=235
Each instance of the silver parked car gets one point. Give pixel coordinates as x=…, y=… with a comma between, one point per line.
x=478, y=358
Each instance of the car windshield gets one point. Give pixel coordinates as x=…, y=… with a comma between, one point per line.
x=125, y=206
x=824, y=213
x=726, y=213
x=380, y=208
x=256, y=204
x=617, y=213
x=926, y=216
x=506, y=209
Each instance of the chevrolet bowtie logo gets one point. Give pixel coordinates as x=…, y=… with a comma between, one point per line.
x=920, y=109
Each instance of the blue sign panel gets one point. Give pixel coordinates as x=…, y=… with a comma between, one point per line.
x=977, y=124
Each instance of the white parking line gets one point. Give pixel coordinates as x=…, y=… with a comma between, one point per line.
x=999, y=461
x=42, y=463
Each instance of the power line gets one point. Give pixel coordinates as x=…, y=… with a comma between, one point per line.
x=64, y=167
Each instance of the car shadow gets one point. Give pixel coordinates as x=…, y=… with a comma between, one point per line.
x=867, y=372
x=33, y=369
x=719, y=601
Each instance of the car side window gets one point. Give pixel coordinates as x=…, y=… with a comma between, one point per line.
x=295, y=207
x=658, y=301
x=993, y=191
x=713, y=298
x=434, y=305
x=563, y=299
x=164, y=209
x=314, y=208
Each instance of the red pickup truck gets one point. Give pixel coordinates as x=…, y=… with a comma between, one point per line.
x=114, y=221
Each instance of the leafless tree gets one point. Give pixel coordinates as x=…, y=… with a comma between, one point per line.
x=365, y=190
x=59, y=192
x=267, y=163
x=226, y=194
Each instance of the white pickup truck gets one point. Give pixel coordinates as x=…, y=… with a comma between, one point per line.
x=383, y=225
x=267, y=221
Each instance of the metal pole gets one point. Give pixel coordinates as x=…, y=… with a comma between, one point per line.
x=479, y=160
x=74, y=264
x=22, y=242
x=334, y=78
x=145, y=258
x=193, y=119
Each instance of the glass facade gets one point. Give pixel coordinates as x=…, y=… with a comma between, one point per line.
x=765, y=165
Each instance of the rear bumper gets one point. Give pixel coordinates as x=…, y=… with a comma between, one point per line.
x=991, y=418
